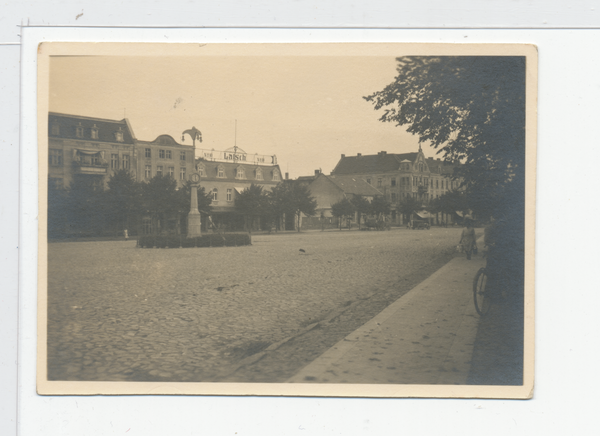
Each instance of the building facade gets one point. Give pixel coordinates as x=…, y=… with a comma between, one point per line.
x=164, y=156
x=88, y=148
x=95, y=148
x=225, y=174
x=399, y=176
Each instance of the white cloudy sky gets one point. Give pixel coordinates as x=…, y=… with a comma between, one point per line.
x=305, y=109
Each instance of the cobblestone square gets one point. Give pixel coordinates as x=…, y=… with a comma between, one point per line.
x=121, y=313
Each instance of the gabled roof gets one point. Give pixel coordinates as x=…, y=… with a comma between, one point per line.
x=375, y=163
x=106, y=128
x=353, y=185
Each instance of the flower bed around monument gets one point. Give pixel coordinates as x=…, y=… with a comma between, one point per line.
x=208, y=240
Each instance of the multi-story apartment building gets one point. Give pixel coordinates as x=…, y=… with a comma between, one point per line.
x=399, y=176
x=164, y=156
x=91, y=148
x=225, y=174
x=96, y=148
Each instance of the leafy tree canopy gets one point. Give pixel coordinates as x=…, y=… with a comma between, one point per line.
x=379, y=205
x=473, y=109
x=342, y=208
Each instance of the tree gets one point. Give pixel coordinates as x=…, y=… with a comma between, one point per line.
x=160, y=199
x=343, y=208
x=450, y=203
x=473, y=109
x=408, y=205
x=380, y=206
x=252, y=202
x=362, y=206
x=289, y=197
x=85, y=206
x=123, y=199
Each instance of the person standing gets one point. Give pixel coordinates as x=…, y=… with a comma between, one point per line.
x=126, y=234
x=467, y=238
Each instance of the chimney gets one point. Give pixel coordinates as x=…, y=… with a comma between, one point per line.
x=287, y=176
x=358, y=154
x=343, y=156
x=383, y=153
x=438, y=158
x=317, y=172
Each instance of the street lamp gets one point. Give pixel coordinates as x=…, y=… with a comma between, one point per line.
x=194, y=221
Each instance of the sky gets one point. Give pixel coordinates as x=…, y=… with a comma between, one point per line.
x=307, y=110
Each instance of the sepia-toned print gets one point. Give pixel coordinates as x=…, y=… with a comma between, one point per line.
x=286, y=219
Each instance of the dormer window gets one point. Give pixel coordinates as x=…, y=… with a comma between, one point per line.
x=119, y=135
x=259, y=174
x=55, y=129
x=79, y=131
x=94, y=132
x=239, y=173
x=220, y=171
x=200, y=169
x=276, y=175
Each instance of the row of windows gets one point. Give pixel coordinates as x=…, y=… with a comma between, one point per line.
x=215, y=195
x=416, y=181
x=170, y=171
x=80, y=132
x=239, y=173
x=164, y=154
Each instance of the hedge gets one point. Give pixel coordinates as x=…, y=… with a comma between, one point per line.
x=208, y=240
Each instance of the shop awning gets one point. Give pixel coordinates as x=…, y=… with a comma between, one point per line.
x=424, y=214
x=239, y=190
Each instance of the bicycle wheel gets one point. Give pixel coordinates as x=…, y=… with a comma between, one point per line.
x=481, y=295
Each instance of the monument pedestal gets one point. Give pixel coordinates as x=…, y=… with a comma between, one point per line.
x=194, y=222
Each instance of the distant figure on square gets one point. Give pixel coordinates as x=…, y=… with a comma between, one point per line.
x=467, y=238
x=126, y=234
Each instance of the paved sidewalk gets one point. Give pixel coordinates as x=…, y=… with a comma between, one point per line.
x=424, y=337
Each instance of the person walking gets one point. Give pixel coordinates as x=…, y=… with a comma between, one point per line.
x=467, y=238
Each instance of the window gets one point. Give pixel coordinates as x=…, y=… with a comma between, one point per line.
x=275, y=175
x=182, y=173
x=119, y=135
x=215, y=194
x=159, y=170
x=437, y=184
x=239, y=173
x=182, y=155
x=148, y=153
x=171, y=171
x=379, y=182
x=79, y=131
x=393, y=181
x=200, y=169
x=168, y=154
x=94, y=132
x=229, y=194
x=369, y=181
x=55, y=129
x=393, y=197
x=148, y=172
x=55, y=157
x=220, y=172
x=161, y=154
x=114, y=161
x=259, y=174
x=125, y=162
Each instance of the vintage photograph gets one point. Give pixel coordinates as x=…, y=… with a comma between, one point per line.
x=287, y=219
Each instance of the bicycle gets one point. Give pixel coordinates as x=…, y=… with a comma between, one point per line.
x=481, y=293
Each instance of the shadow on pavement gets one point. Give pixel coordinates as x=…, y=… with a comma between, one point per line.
x=498, y=351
